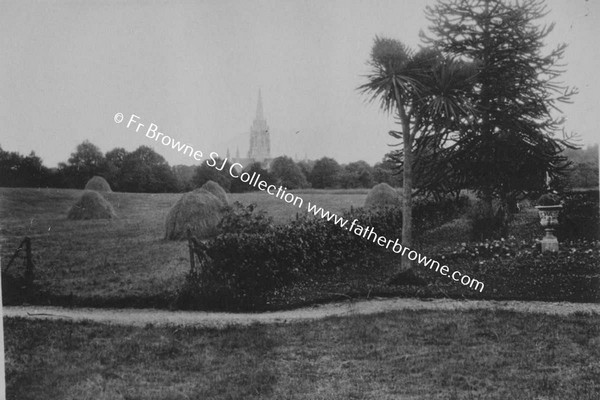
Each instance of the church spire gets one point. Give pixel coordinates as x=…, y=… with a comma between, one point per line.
x=259, y=108
x=260, y=143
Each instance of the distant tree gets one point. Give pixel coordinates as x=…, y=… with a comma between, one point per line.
x=237, y=186
x=583, y=175
x=85, y=162
x=511, y=145
x=87, y=156
x=583, y=171
x=114, y=167
x=387, y=171
x=427, y=93
x=306, y=168
x=184, y=174
x=357, y=174
x=116, y=156
x=33, y=169
x=10, y=164
x=325, y=173
x=286, y=173
x=144, y=170
x=20, y=171
x=205, y=173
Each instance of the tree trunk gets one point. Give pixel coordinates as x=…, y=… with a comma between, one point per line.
x=407, y=226
x=407, y=177
x=504, y=214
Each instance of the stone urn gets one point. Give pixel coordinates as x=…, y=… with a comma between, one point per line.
x=549, y=208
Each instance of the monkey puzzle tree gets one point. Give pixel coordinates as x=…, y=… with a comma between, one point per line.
x=427, y=93
x=510, y=147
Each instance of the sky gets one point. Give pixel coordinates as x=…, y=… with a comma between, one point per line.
x=194, y=68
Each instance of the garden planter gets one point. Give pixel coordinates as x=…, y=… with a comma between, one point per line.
x=549, y=220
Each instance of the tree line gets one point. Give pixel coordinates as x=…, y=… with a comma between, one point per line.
x=145, y=171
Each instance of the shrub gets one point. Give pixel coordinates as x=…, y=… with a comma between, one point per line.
x=579, y=218
x=384, y=221
x=245, y=219
x=429, y=213
x=245, y=266
x=252, y=256
x=485, y=222
x=488, y=249
x=519, y=270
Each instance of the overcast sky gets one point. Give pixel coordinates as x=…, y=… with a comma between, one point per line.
x=194, y=68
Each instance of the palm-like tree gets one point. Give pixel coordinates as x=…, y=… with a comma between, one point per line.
x=427, y=93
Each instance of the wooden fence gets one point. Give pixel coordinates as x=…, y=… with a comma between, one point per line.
x=27, y=261
x=197, y=251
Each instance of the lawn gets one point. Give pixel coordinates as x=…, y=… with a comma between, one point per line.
x=118, y=262
x=409, y=354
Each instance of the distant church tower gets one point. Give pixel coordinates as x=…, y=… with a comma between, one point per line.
x=260, y=140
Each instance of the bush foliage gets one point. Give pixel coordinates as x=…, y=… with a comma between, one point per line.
x=579, y=218
x=485, y=223
x=517, y=269
x=253, y=256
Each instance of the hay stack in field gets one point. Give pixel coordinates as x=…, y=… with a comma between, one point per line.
x=200, y=211
x=381, y=196
x=98, y=184
x=216, y=190
x=91, y=205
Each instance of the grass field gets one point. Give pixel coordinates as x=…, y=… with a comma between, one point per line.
x=399, y=355
x=123, y=259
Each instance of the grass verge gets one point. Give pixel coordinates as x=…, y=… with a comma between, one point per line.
x=410, y=354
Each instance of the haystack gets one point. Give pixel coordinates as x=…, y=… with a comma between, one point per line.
x=217, y=190
x=200, y=211
x=98, y=184
x=381, y=196
x=91, y=205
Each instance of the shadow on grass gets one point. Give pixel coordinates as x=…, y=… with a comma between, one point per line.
x=479, y=354
x=61, y=360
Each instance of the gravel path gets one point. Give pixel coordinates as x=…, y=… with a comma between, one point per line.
x=142, y=317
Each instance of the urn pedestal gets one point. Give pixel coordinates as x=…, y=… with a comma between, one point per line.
x=549, y=220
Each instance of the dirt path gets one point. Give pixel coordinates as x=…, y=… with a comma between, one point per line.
x=142, y=317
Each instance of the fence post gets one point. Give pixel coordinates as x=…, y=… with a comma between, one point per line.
x=192, y=252
x=16, y=253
